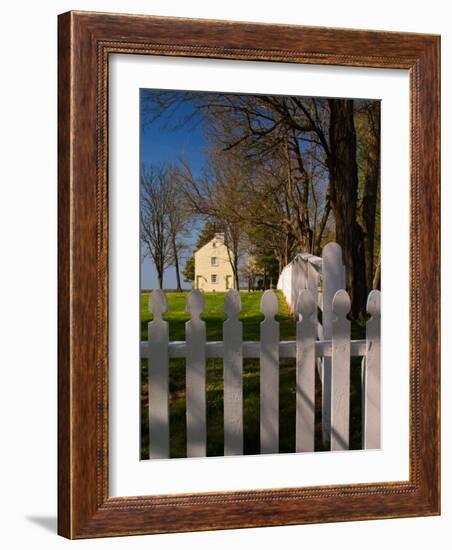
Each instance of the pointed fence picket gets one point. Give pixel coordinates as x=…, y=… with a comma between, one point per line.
x=307, y=350
x=371, y=375
x=305, y=364
x=269, y=374
x=195, y=333
x=340, y=373
x=233, y=376
x=158, y=375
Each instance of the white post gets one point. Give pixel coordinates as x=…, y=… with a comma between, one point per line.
x=233, y=375
x=313, y=286
x=333, y=279
x=269, y=374
x=158, y=386
x=195, y=333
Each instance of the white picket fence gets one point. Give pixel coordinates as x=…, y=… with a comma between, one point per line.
x=306, y=350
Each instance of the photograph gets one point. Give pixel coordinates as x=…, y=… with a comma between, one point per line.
x=249, y=262
x=260, y=274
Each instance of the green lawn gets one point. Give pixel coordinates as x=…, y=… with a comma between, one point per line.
x=251, y=317
x=214, y=315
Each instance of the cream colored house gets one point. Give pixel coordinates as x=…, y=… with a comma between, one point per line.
x=213, y=271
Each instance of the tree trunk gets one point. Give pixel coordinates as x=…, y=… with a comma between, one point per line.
x=160, y=278
x=298, y=197
x=321, y=229
x=370, y=195
x=236, y=272
x=344, y=196
x=176, y=262
x=232, y=243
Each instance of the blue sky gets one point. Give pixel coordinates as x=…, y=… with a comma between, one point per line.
x=160, y=143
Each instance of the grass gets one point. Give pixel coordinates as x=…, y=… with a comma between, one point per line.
x=214, y=315
x=251, y=318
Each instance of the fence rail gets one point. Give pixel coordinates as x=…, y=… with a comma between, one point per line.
x=177, y=349
x=306, y=349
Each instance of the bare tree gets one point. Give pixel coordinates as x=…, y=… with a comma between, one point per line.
x=179, y=221
x=280, y=142
x=162, y=218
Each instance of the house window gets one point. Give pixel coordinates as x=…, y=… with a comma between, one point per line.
x=213, y=260
x=214, y=244
x=213, y=279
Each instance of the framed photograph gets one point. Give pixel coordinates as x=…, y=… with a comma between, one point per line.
x=248, y=275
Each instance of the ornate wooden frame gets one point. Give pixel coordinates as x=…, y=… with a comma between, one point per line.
x=85, y=42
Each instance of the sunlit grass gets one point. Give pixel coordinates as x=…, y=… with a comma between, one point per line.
x=214, y=315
